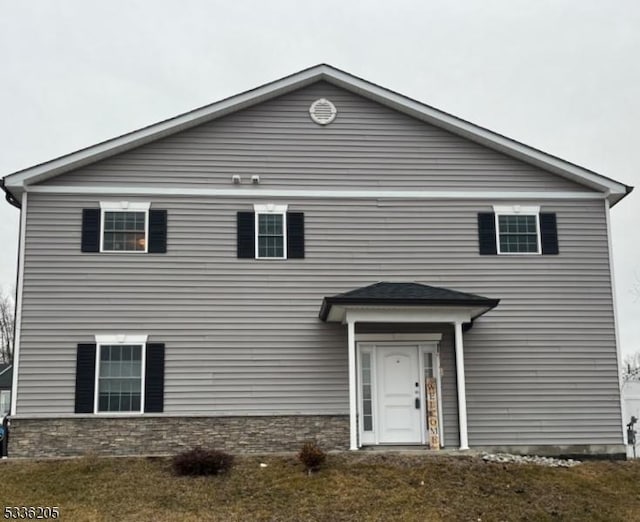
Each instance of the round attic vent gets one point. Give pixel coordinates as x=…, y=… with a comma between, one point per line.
x=322, y=111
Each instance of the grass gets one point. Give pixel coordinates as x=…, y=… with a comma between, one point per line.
x=349, y=487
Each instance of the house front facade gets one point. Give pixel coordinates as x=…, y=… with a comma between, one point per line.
x=318, y=258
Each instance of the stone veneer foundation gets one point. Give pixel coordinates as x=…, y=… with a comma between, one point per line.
x=167, y=435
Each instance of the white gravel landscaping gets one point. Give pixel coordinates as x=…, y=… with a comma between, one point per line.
x=530, y=459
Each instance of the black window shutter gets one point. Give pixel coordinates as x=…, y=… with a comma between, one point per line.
x=295, y=235
x=154, y=378
x=90, y=230
x=85, y=378
x=157, y=231
x=246, y=235
x=549, y=234
x=487, y=233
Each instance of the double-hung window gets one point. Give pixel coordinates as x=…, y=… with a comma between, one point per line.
x=125, y=227
x=517, y=229
x=271, y=231
x=120, y=375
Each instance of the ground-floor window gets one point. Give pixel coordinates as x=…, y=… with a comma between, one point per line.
x=367, y=400
x=120, y=377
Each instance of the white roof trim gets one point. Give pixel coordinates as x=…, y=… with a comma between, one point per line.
x=376, y=313
x=249, y=192
x=613, y=189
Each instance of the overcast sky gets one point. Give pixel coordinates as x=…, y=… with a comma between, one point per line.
x=562, y=76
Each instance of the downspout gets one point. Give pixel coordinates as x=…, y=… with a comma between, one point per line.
x=12, y=200
x=614, y=306
x=18, y=303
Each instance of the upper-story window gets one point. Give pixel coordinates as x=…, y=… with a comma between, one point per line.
x=518, y=229
x=125, y=226
x=271, y=231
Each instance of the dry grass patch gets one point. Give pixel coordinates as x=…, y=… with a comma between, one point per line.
x=348, y=487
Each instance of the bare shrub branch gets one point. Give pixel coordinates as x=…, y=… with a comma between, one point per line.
x=631, y=368
x=7, y=324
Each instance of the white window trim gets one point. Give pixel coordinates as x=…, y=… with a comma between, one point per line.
x=517, y=210
x=131, y=206
x=110, y=340
x=121, y=339
x=125, y=206
x=421, y=338
x=270, y=209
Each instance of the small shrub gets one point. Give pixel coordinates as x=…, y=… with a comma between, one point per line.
x=201, y=461
x=312, y=456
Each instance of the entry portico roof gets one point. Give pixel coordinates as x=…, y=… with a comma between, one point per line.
x=414, y=295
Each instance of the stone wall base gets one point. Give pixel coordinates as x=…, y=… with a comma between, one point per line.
x=102, y=436
x=168, y=435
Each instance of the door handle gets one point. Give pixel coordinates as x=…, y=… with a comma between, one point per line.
x=417, y=403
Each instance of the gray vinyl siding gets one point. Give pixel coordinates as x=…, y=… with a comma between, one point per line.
x=368, y=146
x=243, y=336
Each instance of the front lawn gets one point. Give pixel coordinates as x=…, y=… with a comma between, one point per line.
x=349, y=487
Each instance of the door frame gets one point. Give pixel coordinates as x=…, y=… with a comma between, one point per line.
x=368, y=344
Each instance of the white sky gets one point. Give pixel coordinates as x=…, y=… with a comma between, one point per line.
x=559, y=75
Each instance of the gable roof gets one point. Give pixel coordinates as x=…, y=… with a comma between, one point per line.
x=15, y=183
x=406, y=294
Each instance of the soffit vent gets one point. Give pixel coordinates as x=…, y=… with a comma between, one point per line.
x=322, y=111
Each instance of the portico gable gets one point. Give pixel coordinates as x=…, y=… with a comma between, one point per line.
x=394, y=381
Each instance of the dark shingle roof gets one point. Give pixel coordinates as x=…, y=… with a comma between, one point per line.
x=6, y=376
x=407, y=294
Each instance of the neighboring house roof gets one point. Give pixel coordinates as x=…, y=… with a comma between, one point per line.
x=15, y=183
x=406, y=294
x=6, y=375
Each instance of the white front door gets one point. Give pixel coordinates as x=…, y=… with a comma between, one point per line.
x=398, y=394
